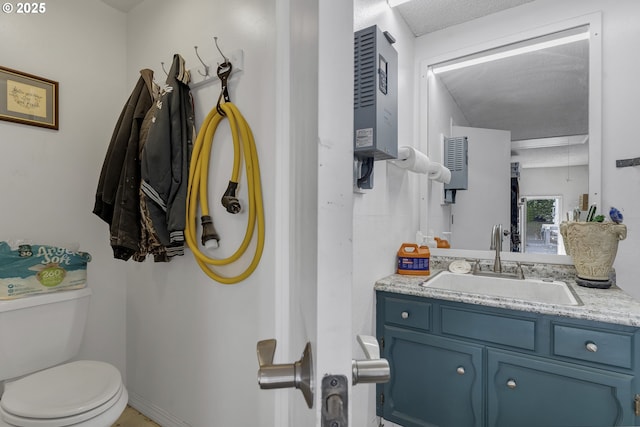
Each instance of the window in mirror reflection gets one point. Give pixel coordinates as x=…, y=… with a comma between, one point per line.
x=539, y=216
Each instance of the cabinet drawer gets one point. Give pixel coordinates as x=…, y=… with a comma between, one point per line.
x=493, y=328
x=611, y=348
x=414, y=314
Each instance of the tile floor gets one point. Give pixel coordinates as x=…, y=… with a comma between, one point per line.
x=132, y=418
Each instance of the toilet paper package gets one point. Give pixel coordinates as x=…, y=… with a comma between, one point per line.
x=27, y=269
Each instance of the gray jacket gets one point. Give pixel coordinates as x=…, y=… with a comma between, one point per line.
x=166, y=156
x=117, y=199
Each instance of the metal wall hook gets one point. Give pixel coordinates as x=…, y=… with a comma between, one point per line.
x=165, y=71
x=226, y=60
x=224, y=71
x=206, y=67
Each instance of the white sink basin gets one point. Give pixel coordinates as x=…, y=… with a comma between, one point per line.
x=533, y=290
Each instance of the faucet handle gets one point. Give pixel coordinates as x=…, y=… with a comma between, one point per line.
x=476, y=265
x=519, y=270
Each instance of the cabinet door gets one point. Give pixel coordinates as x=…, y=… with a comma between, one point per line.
x=529, y=391
x=434, y=381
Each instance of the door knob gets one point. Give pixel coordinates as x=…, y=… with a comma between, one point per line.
x=297, y=374
x=373, y=369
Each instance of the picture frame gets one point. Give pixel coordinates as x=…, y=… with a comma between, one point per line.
x=28, y=99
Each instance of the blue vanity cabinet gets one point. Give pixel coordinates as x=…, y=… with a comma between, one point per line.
x=435, y=381
x=456, y=364
x=531, y=391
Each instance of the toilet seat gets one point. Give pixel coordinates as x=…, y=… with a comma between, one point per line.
x=62, y=396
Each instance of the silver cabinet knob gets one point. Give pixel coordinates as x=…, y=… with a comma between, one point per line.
x=373, y=369
x=592, y=347
x=511, y=383
x=405, y=315
x=460, y=370
x=297, y=374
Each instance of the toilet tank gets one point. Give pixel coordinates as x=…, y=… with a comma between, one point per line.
x=40, y=331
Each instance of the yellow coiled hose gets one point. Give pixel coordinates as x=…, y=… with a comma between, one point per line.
x=197, y=192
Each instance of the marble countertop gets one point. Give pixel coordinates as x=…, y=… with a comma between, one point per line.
x=610, y=305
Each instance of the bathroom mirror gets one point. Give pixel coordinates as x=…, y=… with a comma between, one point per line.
x=530, y=107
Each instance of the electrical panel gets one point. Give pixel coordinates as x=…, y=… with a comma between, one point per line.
x=375, y=95
x=456, y=160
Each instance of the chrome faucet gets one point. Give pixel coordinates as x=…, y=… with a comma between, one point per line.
x=497, y=234
x=496, y=244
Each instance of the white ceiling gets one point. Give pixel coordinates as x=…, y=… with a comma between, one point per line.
x=422, y=16
x=123, y=5
x=426, y=16
x=539, y=94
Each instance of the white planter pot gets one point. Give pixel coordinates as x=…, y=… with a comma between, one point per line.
x=593, y=246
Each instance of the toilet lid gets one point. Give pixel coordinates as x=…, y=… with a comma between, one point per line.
x=62, y=391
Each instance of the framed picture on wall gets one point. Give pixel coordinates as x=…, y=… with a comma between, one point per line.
x=28, y=99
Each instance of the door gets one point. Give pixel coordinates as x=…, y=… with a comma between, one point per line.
x=313, y=198
x=540, y=217
x=487, y=201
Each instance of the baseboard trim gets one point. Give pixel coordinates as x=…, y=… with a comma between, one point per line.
x=154, y=412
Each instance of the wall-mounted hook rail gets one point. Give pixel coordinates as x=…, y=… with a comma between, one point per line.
x=165, y=71
x=236, y=58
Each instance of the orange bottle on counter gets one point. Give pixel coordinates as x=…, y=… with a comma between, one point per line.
x=442, y=243
x=413, y=259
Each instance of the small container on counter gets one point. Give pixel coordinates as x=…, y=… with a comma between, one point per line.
x=413, y=259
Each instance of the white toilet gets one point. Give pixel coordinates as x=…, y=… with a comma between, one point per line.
x=37, y=335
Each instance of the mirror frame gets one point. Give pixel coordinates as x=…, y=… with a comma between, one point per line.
x=594, y=21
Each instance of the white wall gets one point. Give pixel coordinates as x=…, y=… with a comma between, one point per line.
x=443, y=114
x=554, y=182
x=48, y=178
x=387, y=215
x=191, y=342
x=621, y=87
